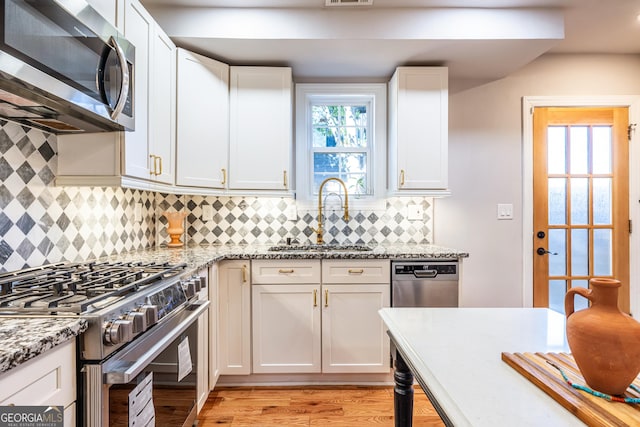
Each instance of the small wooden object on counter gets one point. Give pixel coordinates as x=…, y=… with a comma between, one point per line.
x=594, y=411
x=175, y=228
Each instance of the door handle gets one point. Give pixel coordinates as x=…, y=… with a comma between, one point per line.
x=543, y=251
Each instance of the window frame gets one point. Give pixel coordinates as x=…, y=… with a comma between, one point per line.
x=374, y=95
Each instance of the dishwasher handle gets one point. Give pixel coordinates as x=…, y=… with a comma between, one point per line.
x=425, y=274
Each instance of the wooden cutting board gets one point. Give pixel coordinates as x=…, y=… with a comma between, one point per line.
x=594, y=411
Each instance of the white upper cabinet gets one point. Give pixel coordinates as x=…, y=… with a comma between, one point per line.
x=143, y=158
x=162, y=108
x=202, y=121
x=138, y=29
x=108, y=9
x=260, y=128
x=418, y=131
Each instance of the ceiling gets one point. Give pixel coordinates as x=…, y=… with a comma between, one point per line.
x=366, y=43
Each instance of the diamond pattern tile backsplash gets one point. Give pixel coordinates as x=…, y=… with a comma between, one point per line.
x=41, y=223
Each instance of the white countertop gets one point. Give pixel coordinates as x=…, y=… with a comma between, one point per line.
x=456, y=353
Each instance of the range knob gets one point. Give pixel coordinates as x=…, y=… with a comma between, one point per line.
x=139, y=321
x=118, y=331
x=150, y=313
x=189, y=288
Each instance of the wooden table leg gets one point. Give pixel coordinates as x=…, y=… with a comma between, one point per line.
x=402, y=393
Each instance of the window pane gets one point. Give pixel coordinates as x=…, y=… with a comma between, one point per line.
x=557, y=290
x=558, y=244
x=602, y=149
x=579, y=252
x=339, y=126
x=349, y=167
x=556, y=146
x=602, y=201
x=602, y=252
x=579, y=159
x=557, y=201
x=579, y=201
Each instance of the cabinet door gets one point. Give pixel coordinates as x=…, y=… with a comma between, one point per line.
x=214, y=365
x=203, y=359
x=203, y=121
x=419, y=128
x=107, y=8
x=354, y=337
x=162, y=113
x=138, y=27
x=286, y=328
x=261, y=128
x=234, y=344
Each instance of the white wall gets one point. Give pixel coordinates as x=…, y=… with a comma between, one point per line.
x=485, y=165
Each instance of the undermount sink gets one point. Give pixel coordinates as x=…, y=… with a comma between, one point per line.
x=322, y=248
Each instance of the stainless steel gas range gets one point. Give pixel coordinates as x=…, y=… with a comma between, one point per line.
x=137, y=360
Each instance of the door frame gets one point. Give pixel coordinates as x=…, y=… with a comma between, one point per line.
x=528, y=104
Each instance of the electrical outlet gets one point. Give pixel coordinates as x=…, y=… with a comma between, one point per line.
x=415, y=212
x=207, y=213
x=137, y=212
x=505, y=211
x=291, y=213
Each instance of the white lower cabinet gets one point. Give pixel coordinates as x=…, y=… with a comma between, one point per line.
x=234, y=292
x=313, y=316
x=202, y=386
x=286, y=328
x=353, y=334
x=48, y=379
x=214, y=297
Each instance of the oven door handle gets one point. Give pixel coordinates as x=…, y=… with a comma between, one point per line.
x=125, y=368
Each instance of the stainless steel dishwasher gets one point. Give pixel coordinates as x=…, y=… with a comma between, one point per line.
x=424, y=283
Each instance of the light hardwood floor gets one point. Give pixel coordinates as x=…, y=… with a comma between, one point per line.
x=347, y=406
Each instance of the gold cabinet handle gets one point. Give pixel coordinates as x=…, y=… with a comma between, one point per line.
x=356, y=271
x=153, y=171
x=401, y=177
x=285, y=271
x=315, y=297
x=160, y=161
x=326, y=297
x=284, y=174
x=224, y=176
x=244, y=274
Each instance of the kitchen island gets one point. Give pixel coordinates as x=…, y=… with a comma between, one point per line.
x=455, y=355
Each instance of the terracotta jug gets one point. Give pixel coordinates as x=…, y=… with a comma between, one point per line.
x=604, y=341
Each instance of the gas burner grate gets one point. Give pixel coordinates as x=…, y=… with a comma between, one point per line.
x=77, y=287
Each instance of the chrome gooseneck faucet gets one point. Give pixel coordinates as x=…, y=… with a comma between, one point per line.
x=319, y=231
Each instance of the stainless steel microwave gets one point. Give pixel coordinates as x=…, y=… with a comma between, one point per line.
x=64, y=68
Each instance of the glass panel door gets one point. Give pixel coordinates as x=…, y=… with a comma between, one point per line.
x=580, y=201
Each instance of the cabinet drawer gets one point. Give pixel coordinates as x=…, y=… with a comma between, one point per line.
x=285, y=271
x=48, y=379
x=356, y=271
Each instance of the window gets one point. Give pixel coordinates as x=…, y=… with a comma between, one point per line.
x=341, y=133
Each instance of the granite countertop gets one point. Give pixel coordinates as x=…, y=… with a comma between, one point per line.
x=203, y=255
x=24, y=337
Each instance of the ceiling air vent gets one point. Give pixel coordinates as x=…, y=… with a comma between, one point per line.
x=348, y=2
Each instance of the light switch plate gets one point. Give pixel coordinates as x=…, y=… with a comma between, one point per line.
x=505, y=211
x=207, y=212
x=415, y=212
x=137, y=212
